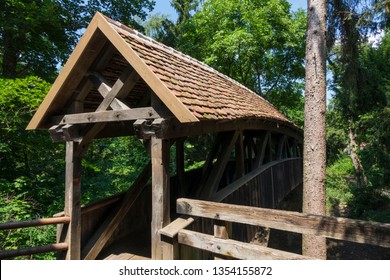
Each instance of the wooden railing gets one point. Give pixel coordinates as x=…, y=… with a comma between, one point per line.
x=36, y=249
x=332, y=227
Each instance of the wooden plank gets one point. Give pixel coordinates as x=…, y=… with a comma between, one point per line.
x=105, y=231
x=215, y=176
x=108, y=116
x=232, y=248
x=172, y=229
x=332, y=227
x=181, y=112
x=160, y=192
x=35, y=223
x=33, y=250
x=220, y=231
x=72, y=200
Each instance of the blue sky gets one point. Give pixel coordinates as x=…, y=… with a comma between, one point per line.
x=164, y=7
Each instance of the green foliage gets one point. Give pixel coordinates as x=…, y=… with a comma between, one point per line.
x=37, y=36
x=110, y=166
x=258, y=43
x=339, y=181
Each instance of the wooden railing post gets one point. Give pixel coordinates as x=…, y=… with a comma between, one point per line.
x=169, y=238
x=72, y=200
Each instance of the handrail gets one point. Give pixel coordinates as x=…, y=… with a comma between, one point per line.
x=35, y=249
x=358, y=231
x=35, y=223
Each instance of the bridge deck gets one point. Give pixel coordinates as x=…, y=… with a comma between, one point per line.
x=127, y=249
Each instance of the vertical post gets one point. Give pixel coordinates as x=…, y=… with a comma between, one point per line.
x=180, y=168
x=220, y=231
x=72, y=200
x=160, y=192
x=240, y=156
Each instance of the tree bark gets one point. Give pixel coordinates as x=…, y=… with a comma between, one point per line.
x=359, y=170
x=314, y=154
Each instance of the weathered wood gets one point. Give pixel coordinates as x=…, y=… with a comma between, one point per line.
x=218, y=169
x=72, y=207
x=170, y=246
x=33, y=250
x=172, y=229
x=232, y=248
x=332, y=227
x=174, y=129
x=160, y=192
x=104, y=89
x=107, y=116
x=35, y=223
x=220, y=231
x=122, y=87
x=107, y=228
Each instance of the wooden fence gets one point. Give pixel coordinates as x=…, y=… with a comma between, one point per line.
x=37, y=249
x=332, y=227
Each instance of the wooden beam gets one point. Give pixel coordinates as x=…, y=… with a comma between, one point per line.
x=240, y=156
x=220, y=231
x=180, y=168
x=229, y=189
x=332, y=227
x=120, y=89
x=107, y=116
x=262, y=145
x=99, y=239
x=160, y=192
x=72, y=200
x=281, y=147
x=215, y=176
x=232, y=248
x=170, y=246
x=174, y=129
x=104, y=89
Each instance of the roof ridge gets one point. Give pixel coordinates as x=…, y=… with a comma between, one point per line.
x=155, y=43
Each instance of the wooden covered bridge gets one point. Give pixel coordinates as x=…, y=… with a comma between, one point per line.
x=118, y=82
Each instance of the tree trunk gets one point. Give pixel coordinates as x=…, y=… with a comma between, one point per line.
x=360, y=176
x=314, y=155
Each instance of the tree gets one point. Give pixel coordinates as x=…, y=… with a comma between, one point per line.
x=314, y=147
x=37, y=36
x=258, y=43
x=355, y=83
x=184, y=9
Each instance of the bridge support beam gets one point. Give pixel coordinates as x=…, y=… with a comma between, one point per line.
x=160, y=192
x=72, y=200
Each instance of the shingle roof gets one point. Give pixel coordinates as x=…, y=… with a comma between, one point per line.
x=207, y=93
x=191, y=90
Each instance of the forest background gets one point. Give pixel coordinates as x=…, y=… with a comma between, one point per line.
x=260, y=43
